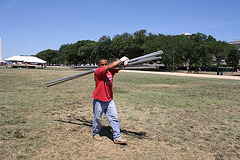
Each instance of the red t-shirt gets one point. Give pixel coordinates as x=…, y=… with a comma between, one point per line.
x=104, y=84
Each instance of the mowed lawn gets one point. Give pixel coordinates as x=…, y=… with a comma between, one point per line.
x=163, y=117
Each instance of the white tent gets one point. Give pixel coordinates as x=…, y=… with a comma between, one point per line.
x=28, y=59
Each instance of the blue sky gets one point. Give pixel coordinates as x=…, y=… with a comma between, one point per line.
x=30, y=26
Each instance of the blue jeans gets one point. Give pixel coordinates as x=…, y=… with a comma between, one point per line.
x=110, y=111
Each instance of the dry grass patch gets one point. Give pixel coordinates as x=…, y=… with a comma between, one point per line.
x=163, y=117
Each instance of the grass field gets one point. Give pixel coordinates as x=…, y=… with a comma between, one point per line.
x=163, y=117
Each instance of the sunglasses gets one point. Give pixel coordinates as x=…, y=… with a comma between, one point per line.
x=103, y=64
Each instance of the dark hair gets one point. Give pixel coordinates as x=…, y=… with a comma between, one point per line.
x=102, y=58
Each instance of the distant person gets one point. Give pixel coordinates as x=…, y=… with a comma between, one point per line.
x=103, y=99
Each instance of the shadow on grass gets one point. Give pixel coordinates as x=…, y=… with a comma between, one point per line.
x=106, y=130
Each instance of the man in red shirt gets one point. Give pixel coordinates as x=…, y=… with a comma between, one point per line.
x=103, y=99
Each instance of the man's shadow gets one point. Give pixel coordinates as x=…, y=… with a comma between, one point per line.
x=106, y=130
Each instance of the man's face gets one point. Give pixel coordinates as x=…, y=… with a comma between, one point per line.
x=103, y=63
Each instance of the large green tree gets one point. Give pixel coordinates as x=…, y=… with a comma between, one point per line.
x=197, y=53
x=219, y=51
x=233, y=58
x=153, y=43
x=86, y=53
x=48, y=55
x=71, y=52
x=174, y=48
x=191, y=50
x=103, y=48
x=122, y=45
x=192, y=55
x=137, y=48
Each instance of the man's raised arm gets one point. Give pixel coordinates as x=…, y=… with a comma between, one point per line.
x=116, y=63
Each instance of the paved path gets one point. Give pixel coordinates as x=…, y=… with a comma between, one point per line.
x=185, y=74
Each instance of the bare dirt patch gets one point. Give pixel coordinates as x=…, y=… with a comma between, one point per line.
x=185, y=74
x=161, y=85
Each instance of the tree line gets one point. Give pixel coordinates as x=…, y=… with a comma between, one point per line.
x=179, y=50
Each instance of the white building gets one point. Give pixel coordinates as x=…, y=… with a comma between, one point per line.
x=236, y=43
x=186, y=34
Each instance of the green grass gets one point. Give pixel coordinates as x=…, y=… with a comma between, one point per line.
x=163, y=117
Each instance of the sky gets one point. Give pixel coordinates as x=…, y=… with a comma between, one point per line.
x=30, y=26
